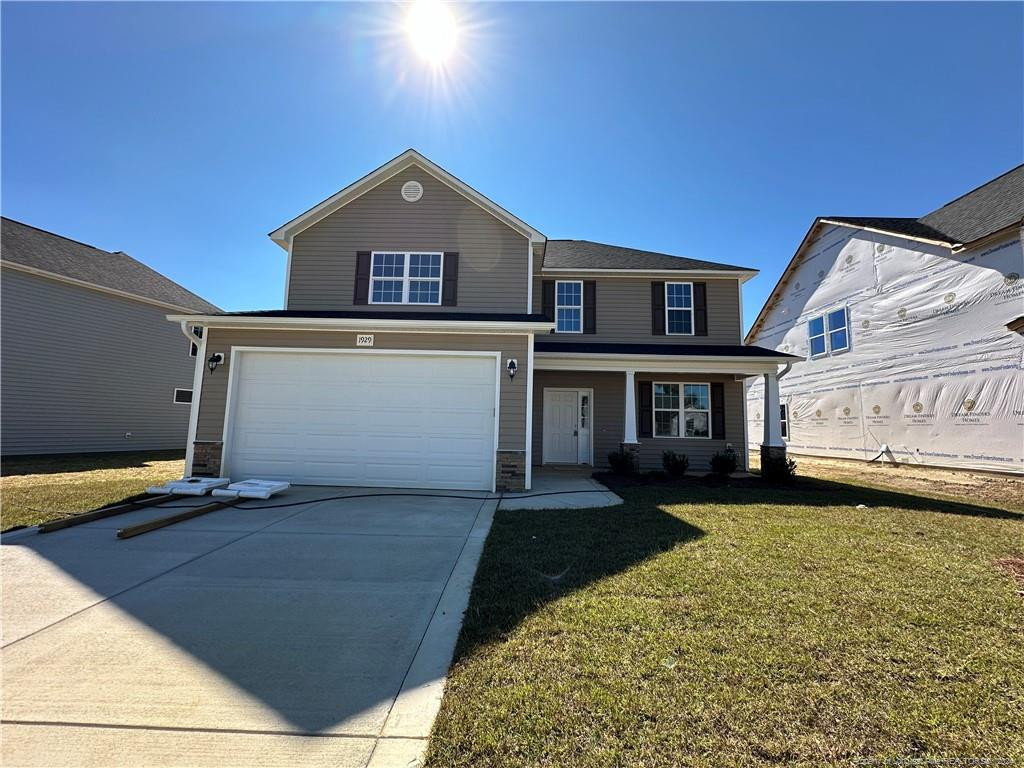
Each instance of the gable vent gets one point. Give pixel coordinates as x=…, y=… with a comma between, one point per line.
x=412, y=191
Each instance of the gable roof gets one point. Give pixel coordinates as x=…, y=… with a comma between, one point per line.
x=283, y=234
x=36, y=250
x=588, y=255
x=897, y=226
x=994, y=206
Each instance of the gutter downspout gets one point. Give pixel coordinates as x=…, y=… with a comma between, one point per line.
x=197, y=390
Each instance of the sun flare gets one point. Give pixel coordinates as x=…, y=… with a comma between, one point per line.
x=432, y=30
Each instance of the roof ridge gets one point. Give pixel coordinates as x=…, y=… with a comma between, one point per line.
x=62, y=237
x=971, y=192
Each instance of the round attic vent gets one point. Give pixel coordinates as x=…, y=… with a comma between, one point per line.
x=412, y=191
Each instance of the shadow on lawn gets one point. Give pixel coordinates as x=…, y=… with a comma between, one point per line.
x=50, y=464
x=807, y=492
x=534, y=557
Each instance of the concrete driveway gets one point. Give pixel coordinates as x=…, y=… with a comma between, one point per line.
x=313, y=634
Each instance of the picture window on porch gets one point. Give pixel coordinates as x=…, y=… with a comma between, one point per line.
x=688, y=405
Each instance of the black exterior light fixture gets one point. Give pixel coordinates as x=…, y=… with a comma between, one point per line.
x=215, y=359
x=512, y=366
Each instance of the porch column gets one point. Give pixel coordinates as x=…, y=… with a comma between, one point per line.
x=772, y=414
x=629, y=435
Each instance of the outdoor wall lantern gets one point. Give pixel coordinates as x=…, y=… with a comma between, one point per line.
x=512, y=367
x=215, y=359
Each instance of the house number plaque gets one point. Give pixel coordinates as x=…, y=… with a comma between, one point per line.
x=364, y=340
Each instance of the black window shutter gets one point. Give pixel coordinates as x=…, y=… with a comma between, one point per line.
x=362, y=282
x=658, y=309
x=700, y=309
x=589, y=306
x=718, y=411
x=450, y=280
x=646, y=409
x=547, y=300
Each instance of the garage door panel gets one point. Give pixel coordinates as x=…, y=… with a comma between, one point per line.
x=356, y=419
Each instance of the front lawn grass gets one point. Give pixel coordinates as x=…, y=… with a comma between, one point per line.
x=741, y=625
x=35, y=489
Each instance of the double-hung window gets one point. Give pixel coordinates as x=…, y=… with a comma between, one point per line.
x=682, y=410
x=405, y=278
x=784, y=419
x=829, y=334
x=569, y=306
x=679, y=308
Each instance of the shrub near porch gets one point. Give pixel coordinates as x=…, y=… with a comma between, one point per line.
x=741, y=625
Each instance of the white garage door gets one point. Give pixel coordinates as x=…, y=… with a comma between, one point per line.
x=378, y=419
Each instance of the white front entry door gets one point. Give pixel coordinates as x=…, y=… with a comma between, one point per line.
x=378, y=419
x=567, y=414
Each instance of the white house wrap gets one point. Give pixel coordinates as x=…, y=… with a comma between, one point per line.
x=930, y=370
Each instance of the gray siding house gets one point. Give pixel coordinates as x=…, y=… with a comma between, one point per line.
x=432, y=339
x=89, y=362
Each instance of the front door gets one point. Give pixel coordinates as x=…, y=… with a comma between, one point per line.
x=567, y=416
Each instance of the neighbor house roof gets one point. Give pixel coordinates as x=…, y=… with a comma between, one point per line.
x=994, y=206
x=991, y=207
x=588, y=255
x=39, y=251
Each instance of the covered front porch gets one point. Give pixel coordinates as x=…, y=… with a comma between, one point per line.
x=590, y=402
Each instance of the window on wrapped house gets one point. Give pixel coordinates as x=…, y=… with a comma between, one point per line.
x=829, y=334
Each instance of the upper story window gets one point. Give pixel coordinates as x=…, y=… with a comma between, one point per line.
x=405, y=278
x=679, y=308
x=691, y=413
x=829, y=334
x=569, y=306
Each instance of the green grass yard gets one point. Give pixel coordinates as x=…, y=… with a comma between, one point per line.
x=34, y=489
x=741, y=625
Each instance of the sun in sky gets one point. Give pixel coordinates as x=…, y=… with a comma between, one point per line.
x=432, y=31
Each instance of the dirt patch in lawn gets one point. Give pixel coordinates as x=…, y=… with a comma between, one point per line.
x=982, y=488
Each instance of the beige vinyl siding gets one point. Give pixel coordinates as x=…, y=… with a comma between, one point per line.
x=624, y=310
x=512, y=397
x=80, y=368
x=493, y=258
x=609, y=416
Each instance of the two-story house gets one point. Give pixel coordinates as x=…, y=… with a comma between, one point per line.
x=432, y=339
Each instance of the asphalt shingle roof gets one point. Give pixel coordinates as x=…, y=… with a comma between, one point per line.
x=585, y=254
x=701, y=350
x=899, y=226
x=993, y=206
x=36, y=248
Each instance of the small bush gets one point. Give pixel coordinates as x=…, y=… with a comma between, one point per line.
x=675, y=464
x=622, y=462
x=776, y=469
x=724, y=462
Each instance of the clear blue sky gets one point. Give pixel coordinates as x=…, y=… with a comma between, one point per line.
x=182, y=133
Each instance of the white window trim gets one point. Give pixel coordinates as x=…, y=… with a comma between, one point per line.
x=682, y=410
x=679, y=309
x=176, y=401
x=784, y=420
x=405, y=279
x=568, y=306
x=829, y=352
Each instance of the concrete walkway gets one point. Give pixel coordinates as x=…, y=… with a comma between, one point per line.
x=561, y=489
x=313, y=634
